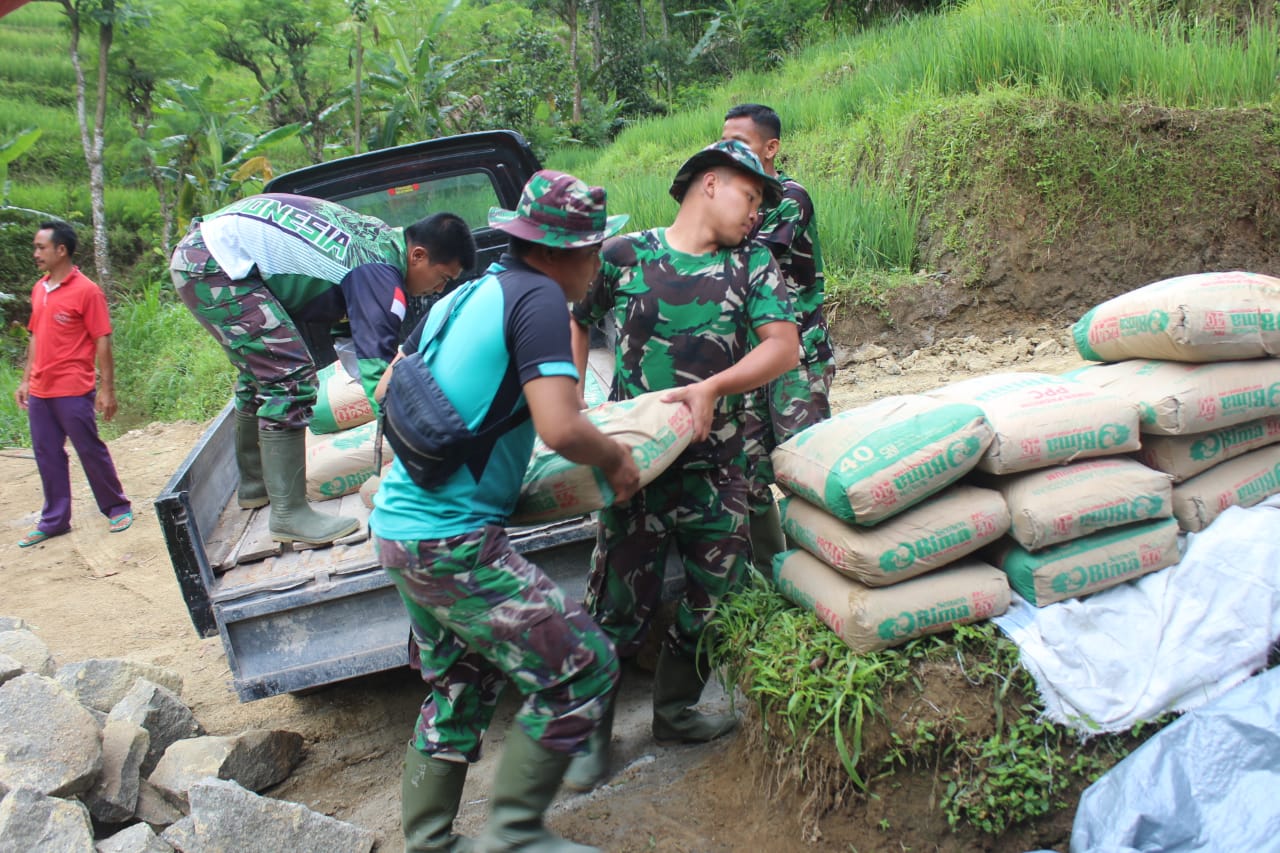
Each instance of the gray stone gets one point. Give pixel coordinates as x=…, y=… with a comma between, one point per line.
x=228, y=818
x=869, y=352
x=9, y=668
x=978, y=364
x=30, y=821
x=29, y=650
x=48, y=740
x=256, y=759
x=893, y=368
x=158, y=710
x=114, y=796
x=102, y=682
x=138, y=838
x=153, y=808
x=1048, y=348
x=12, y=623
x=181, y=836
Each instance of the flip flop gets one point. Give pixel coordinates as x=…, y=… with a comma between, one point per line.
x=121, y=522
x=35, y=537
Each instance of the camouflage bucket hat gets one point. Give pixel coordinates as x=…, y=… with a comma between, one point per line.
x=726, y=152
x=558, y=210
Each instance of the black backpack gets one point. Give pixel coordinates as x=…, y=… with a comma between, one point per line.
x=424, y=429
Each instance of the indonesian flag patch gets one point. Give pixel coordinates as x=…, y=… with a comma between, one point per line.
x=397, y=304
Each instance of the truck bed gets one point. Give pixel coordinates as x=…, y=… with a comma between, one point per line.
x=295, y=619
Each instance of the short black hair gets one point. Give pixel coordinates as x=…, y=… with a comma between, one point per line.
x=763, y=117
x=446, y=237
x=63, y=234
x=521, y=247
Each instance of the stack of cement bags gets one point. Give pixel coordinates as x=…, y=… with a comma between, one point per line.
x=341, y=437
x=1083, y=517
x=1193, y=353
x=887, y=533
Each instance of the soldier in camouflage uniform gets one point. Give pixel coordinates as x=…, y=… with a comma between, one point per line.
x=800, y=397
x=253, y=271
x=701, y=311
x=481, y=613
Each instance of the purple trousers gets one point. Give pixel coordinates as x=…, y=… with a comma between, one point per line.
x=54, y=420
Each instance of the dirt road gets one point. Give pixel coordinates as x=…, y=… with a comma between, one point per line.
x=95, y=594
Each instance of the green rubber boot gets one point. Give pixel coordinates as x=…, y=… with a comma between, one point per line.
x=588, y=770
x=677, y=687
x=526, y=781
x=253, y=490
x=767, y=539
x=284, y=468
x=430, y=793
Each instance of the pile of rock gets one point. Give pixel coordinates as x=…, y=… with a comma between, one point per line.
x=102, y=756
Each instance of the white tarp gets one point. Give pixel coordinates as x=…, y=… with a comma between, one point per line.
x=1207, y=782
x=1170, y=641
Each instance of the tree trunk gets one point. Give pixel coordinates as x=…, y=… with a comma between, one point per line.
x=644, y=36
x=597, y=48
x=97, y=179
x=93, y=146
x=573, y=61
x=359, y=82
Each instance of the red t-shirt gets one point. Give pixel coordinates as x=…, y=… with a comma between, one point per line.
x=67, y=322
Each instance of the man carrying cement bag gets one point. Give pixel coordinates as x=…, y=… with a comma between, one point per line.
x=706, y=314
x=253, y=271
x=481, y=613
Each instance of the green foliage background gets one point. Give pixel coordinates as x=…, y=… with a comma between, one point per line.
x=919, y=133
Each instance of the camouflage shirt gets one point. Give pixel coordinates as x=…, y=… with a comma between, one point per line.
x=683, y=318
x=791, y=233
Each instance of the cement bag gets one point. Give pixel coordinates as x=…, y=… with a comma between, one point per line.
x=1059, y=504
x=339, y=463
x=1184, y=456
x=340, y=401
x=872, y=619
x=872, y=462
x=1244, y=481
x=1177, y=399
x=1089, y=564
x=931, y=534
x=555, y=488
x=369, y=487
x=1216, y=316
x=1041, y=420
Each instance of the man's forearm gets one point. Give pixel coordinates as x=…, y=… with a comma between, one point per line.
x=580, y=339
x=582, y=443
x=106, y=365
x=764, y=363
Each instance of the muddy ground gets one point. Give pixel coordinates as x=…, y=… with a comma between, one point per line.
x=94, y=594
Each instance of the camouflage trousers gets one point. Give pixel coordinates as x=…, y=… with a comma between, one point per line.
x=277, y=378
x=482, y=614
x=790, y=404
x=703, y=513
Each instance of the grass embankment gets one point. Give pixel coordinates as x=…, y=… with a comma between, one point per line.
x=956, y=709
x=914, y=138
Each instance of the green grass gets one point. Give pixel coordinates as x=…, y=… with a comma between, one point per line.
x=813, y=694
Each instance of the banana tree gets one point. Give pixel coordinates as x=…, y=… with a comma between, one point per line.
x=412, y=85
x=10, y=151
x=208, y=151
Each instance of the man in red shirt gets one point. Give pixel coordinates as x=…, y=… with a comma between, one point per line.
x=70, y=330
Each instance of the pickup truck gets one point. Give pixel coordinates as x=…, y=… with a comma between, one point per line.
x=292, y=620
